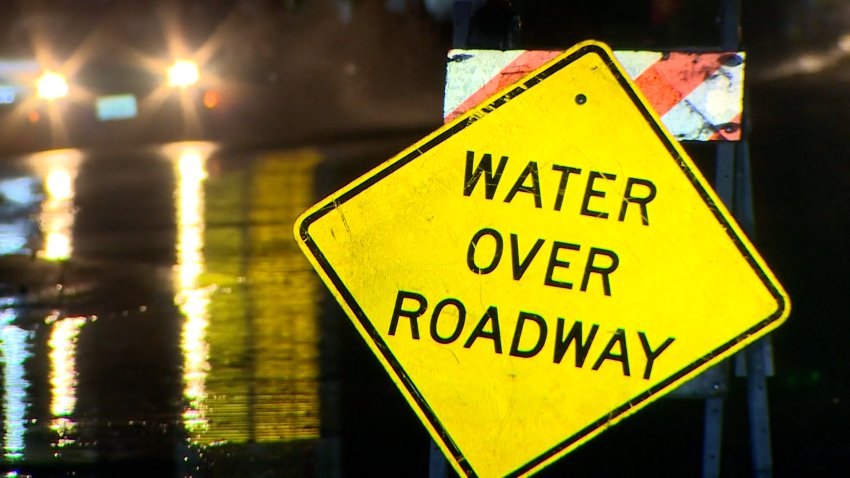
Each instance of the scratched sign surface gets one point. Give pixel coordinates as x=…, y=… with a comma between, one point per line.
x=541, y=267
x=698, y=96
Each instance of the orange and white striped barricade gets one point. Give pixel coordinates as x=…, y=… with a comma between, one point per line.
x=698, y=96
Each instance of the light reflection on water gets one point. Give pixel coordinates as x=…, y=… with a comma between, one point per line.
x=62, y=345
x=57, y=215
x=250, y=333
x=37, y=210
x=37, y=220
x=282, y=298
x=57, y=172
x=192, y=299
x=15, y=346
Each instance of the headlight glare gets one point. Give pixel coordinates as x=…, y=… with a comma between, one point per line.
x=183, y=73
x=51, y=86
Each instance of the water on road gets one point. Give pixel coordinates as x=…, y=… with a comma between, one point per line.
x=158, y=318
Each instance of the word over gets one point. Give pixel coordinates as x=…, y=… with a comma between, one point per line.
x=602, y=262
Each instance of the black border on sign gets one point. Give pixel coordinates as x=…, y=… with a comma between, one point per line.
x=468, y=120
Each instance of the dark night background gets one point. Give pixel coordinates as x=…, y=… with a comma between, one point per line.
x=319, y=72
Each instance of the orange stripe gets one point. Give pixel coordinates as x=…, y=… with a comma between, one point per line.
x=522, y=65
x=675, y=76
x=731, y=134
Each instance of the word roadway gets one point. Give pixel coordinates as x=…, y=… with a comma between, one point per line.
x=529, y=337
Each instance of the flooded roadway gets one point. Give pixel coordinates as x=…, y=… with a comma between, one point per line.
x=158, y=318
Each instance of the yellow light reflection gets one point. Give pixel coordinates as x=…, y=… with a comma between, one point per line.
x=58, y=170
x=63, y=364
x=263, y=335
x=196, y=359
x=250, y=339
x=57, y=246
x=62, y=346
x=284, y=296
x=192, y=299
x=60, y=184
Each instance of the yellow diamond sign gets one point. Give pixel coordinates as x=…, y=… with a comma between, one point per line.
x=541, y=267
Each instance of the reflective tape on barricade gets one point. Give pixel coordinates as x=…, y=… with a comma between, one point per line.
x=698, y=96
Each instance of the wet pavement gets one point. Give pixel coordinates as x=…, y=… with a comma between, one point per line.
x=158, y=318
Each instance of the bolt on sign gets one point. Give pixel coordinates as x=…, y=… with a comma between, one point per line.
x=541, y=267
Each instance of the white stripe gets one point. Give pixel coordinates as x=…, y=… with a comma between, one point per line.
x=636, y=62
x=716, y=101
x=469, y=70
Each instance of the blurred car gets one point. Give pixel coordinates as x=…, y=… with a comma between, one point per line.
x=107, y=98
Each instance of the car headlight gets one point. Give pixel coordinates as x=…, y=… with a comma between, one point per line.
x=51, y=86
x=183, y=73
